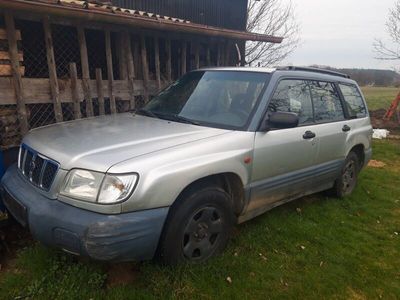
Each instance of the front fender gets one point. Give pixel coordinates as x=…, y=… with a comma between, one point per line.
x=165, y=174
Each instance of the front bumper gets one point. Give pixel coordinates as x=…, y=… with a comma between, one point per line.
x=123, y=237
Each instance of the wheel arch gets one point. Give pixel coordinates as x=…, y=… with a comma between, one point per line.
x=230, y=182
x=359, y=150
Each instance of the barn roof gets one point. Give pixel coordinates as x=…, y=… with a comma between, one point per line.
x=89, y=11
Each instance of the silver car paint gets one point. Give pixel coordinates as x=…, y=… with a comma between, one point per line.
x=168, y=156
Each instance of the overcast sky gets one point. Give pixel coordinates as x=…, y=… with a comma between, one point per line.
x=340, y=33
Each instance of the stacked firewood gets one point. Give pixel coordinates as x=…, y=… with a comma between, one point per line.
x=9, y=127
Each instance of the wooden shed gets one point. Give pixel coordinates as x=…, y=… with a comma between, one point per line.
x=62, y=60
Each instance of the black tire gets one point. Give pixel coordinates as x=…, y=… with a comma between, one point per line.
x=347, y=181
x=198, y=227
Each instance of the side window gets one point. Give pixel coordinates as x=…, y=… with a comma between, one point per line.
x=353, y=101
x=293, y=96
x=326, y=100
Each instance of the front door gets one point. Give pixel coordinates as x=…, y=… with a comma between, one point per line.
x=284, y=158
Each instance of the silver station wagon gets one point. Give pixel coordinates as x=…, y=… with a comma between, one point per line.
x=216, y=148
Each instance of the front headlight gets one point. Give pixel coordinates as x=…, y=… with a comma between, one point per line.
x=116, y=188
x=98, y=187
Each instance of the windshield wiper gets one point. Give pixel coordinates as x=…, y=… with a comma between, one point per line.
x=146, y=112
x=178, y=118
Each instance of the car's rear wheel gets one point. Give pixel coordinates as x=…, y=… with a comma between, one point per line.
x=347, y=181
x=198, y=227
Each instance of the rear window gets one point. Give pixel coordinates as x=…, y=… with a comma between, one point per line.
x=327, y=104
x=353, y=101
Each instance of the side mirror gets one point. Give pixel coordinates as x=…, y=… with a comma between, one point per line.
x=280, y=120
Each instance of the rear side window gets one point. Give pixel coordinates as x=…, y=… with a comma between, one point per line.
x=326, y=100
x=353, y=101
x=293, y=96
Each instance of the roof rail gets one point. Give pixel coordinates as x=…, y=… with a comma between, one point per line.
x=310, y=69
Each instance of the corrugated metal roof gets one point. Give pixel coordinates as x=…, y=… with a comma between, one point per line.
x=112, y=9
x=117, y=15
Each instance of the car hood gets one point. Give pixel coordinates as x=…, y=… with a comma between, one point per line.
x=99, y=143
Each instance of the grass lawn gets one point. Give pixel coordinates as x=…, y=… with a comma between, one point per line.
x=379, y=97
x=314, y=248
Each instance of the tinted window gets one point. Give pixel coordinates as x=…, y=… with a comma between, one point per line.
x=326, y=100
x=211, y=98
x=353, y=100
x=293, y=96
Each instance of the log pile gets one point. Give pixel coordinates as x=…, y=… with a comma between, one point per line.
x=10, y=134
x=5, y=62
x=9, y=127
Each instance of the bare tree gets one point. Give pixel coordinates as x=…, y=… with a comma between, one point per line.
x=271, y=17
x=390, y=51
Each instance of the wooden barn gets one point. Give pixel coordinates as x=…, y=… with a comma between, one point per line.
x=62, y=60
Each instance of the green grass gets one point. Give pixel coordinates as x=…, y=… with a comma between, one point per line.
x=379, y=97
x=313, y=248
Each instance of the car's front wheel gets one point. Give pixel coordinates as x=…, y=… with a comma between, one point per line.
x=198, y=227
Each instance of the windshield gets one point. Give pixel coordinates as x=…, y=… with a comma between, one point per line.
x=223, y=99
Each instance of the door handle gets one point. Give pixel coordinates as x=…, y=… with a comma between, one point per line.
x=346, y=128
x=308, y=135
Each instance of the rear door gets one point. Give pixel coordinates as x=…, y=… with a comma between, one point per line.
x=283, y=158
x=331, y=129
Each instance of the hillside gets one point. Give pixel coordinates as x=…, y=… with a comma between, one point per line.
x=371, y=77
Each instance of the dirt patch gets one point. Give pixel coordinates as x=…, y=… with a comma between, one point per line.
x=376, y=164
x=120, y=274
x=377, y=121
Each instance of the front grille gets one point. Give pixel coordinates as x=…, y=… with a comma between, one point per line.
x=38, y=169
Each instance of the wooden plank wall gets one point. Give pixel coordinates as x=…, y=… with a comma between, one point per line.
x=134, y=58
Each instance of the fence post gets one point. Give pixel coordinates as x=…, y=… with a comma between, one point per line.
x=15, y=67
x=54, y=88
x=100, y=93
x=110, y=72
x=145, y=67
x=197, y=55
x=131, y=68
x=73, y=74
x=208, y=56
x=157, y=62
x=183, y=57
x=168, y=60
x=85, y=71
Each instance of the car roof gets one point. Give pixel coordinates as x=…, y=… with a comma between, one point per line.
x=303, y=72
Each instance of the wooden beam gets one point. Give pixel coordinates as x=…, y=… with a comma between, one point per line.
x=51, y=63
x=121, y=49
x=145, y=67
x=37, y=90
x=73, y=74
x=157, y=62
x=3, y=34
x=110, y=72
x=168, y=60
x=208, y=56
x=130, y=68
x=4, y=55
x=85, y=71
x=100, y=93
x=183, y=57
x=137, y=58
x=197, y=55
x=18, y=86
x=219, y=55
